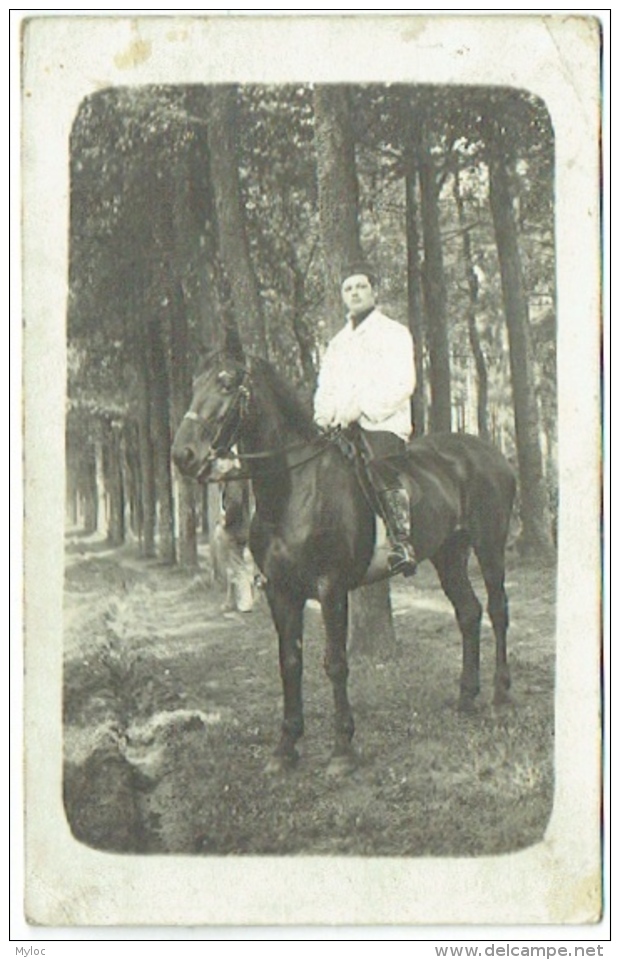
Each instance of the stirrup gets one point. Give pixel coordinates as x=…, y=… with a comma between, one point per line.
x=402, y=560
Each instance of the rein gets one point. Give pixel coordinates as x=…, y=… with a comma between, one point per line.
x=288, y=448
x=271, y=454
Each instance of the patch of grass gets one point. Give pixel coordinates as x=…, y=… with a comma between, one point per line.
x=430, y=782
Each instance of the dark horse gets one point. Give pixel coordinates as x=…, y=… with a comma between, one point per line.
x=314, y=535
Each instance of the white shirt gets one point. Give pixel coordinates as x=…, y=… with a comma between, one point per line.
x=368, y=376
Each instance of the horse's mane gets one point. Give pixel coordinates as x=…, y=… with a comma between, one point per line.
x=292, y=411
x=296, y=413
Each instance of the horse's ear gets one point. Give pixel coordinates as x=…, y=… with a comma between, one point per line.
x=200, y=357
x=232, y=343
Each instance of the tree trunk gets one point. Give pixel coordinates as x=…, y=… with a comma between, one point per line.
x=370, y=616
x=113, y=477
x=214, y=510
x=536, y=536
x=87, y=487
x=132, y=474
x=415, y=306
x=102, y=501
x=187, y=546
x=302, y=332
x=233, y=241
x=434, y=287
x=472, y=329
x=371, y=627
x=204, y=508
x=196, y=253
x=180, y=396
x=147, y=464
x=162, y=441
x=163, y=485
x=72, y=484
x=338, y=192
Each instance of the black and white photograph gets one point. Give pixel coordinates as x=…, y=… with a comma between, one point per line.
x=312, y=320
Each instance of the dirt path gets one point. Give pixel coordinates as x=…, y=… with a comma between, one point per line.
x=172, y=709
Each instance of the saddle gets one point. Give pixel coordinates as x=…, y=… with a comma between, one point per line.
x=376, y=474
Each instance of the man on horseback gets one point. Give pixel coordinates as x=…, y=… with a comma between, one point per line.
x=367, y=379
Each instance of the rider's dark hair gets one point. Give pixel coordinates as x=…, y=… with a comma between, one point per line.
x=359, y=267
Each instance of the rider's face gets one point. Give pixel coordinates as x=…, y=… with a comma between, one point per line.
x=358, y=294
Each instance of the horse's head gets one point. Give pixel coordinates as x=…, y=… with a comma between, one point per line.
x=210, y=427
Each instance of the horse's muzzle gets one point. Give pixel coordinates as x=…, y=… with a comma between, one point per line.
x=183, y=458
x=198, y=466
x=187, y=460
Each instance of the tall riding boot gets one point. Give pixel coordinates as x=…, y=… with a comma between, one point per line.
x=398, y=521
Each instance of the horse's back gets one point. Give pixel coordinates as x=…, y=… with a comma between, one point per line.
x=462, y=483
x=464, y=457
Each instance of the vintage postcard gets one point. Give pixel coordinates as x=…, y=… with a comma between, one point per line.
x=311, y=302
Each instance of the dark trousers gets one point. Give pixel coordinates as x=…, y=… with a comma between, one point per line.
x=378, y=447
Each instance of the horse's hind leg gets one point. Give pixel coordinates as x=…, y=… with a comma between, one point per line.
x=287, y=612
x=492, y=567
x=451, y=565
x=334, y=607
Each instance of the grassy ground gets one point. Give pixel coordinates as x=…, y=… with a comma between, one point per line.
x=172, y=709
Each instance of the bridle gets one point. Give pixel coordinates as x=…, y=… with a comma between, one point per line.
x=228, y=432
x=221, y=444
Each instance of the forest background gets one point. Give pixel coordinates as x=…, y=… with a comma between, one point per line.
x=209, y=216
x=101, y=408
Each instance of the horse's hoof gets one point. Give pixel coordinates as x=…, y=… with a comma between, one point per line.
x=502, y=700
x=341, y=765
x=282, y=762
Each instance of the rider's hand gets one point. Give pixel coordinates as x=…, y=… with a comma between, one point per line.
x=347, y=414
x=325, y=424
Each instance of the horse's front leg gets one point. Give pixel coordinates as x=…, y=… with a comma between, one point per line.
x=287, y=612
x=334, y=606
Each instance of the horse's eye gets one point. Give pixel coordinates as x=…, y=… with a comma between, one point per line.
x=226, y=380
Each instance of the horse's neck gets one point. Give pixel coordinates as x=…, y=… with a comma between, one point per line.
x=268, y=437
x=271, y=432
x=272, y=428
